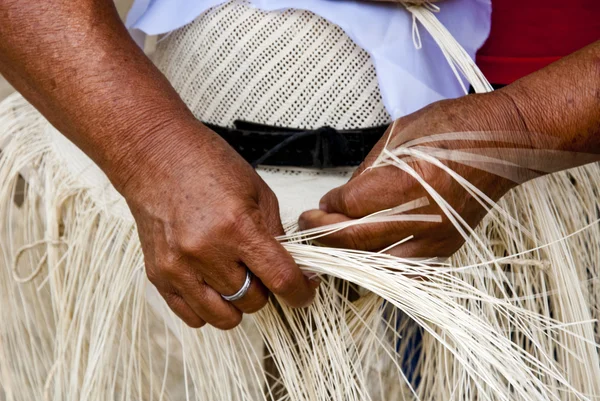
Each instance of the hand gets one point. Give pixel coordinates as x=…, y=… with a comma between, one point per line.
x=204, y=216
x=387, y=187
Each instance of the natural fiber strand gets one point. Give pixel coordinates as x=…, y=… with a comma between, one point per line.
x=520, y=329
x=512, y=316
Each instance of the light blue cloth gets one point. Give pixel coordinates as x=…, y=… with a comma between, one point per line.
x=409, y=78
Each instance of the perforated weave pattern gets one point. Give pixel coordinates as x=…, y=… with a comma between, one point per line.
x=287, y=68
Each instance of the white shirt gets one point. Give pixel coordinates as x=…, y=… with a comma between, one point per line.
x=384, y=30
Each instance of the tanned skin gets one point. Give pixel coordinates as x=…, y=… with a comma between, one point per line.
x=557, y=108
x=203, y=215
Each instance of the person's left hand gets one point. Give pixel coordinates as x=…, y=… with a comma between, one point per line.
x=387, y=187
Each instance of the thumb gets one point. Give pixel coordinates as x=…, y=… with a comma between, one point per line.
x=342, y=200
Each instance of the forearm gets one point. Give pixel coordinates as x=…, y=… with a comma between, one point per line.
x=75, y=62
x=563, y=100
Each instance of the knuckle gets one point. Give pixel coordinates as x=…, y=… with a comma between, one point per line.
x=169, y=266
x=192, y=244
x=307, y=220
x=306, y=215
x=350, y=202
x=231, y=220
x=231, y=214
x=249, y=217
x=284, y=282
x=269, y=197
x=152, y=276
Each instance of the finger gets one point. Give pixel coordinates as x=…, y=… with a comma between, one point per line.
x=374, y=191
x=220, y=270
x=183, y=310
x=175, y=302
x=255, y=298
x=367, y=236
x=276, y=268
x=379, y=238
x=269, y=208
x=342, y=200
x=427, y=248
x=207, y=303
x=413, y=249
x=318, y=218
x=270, y=211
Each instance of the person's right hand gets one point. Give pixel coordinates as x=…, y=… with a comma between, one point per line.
x=204, y=216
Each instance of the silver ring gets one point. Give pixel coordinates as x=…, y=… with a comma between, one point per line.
x=242, y=290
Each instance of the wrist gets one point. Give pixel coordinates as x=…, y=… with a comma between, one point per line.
x=150, y=150
x=503, y=111
x=552, y=121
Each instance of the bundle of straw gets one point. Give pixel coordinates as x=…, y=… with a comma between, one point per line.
x=512, y=316
x=81, y=322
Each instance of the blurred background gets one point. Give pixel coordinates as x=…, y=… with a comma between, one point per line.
x=6, y=89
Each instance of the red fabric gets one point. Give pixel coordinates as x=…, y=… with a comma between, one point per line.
x=527, y=35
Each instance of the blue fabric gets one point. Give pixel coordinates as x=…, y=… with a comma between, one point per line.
x=409, y=78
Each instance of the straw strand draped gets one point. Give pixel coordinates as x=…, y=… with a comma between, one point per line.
x=82, y=322
x=512, y=316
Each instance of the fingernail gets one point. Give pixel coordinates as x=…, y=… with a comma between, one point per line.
x=323, y=207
